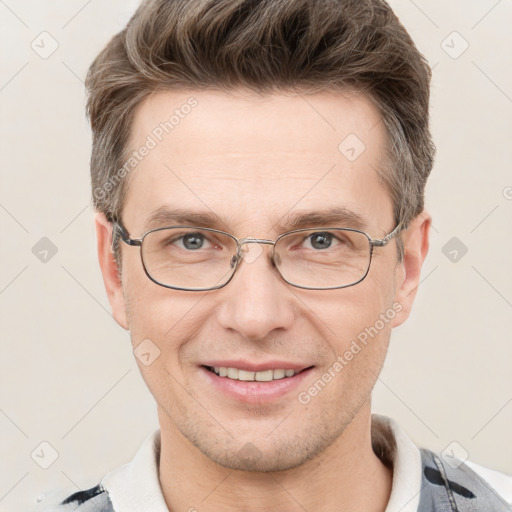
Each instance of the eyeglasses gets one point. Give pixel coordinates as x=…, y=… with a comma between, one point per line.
x=199, y=259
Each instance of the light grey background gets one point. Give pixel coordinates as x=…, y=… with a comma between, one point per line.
x=68, y=377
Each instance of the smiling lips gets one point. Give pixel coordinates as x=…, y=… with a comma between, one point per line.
x=254, y=383
x=246, y=375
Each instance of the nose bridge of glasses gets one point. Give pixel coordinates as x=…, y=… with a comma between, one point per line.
x=250, y=240
x=251, y=256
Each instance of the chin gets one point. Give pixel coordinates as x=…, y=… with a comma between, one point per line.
x=262, y=454
x=249, y=458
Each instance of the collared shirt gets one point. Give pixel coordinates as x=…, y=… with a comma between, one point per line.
x=422, y=482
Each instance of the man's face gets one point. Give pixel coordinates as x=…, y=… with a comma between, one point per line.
x=256, y=163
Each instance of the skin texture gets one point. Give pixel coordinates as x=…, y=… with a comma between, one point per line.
x=253, y=160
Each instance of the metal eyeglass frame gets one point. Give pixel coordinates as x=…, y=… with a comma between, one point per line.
x=235, y=261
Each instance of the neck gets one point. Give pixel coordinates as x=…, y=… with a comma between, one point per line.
x=346, y=476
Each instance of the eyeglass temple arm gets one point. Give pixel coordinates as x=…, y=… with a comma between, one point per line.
x=381, y=242
x=118, y=229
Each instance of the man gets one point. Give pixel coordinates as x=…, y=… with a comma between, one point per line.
x=258, y=172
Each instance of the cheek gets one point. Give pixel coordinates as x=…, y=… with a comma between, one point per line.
x=152, y=310
x=362, y=327
x=162, y=315
x=352, y=310
x=357, y=325
x=162, y=322
x=161, y=319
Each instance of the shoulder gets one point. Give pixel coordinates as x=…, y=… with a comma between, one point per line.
x=95, y=499
x=454, y=485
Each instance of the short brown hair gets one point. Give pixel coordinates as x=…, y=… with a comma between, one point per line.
x=265, y=46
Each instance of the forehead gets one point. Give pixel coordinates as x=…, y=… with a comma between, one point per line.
x=248, y=158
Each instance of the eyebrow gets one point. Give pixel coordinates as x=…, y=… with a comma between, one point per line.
x=163, y=217
x=339, y=216
x=330, y=217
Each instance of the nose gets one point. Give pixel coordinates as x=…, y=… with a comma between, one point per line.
x=256, y=302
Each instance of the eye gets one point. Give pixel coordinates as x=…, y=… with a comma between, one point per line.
x=191, y=241
x=319, y=241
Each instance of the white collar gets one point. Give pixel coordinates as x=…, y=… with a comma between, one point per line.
x=406, y=459
x=135, y=487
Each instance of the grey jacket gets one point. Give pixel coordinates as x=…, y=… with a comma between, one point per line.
x=443, y=489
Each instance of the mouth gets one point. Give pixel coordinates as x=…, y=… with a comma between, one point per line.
x=267, y=375
x=253, y=382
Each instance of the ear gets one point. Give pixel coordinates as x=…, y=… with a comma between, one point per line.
x=416, y=242
x=109, y=269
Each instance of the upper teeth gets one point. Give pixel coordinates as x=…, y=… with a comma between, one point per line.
x=263, y=376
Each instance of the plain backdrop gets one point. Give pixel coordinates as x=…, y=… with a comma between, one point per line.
x=71, y=397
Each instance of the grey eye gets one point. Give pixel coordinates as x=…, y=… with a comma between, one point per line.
x=193, y=241
x=321, y=240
